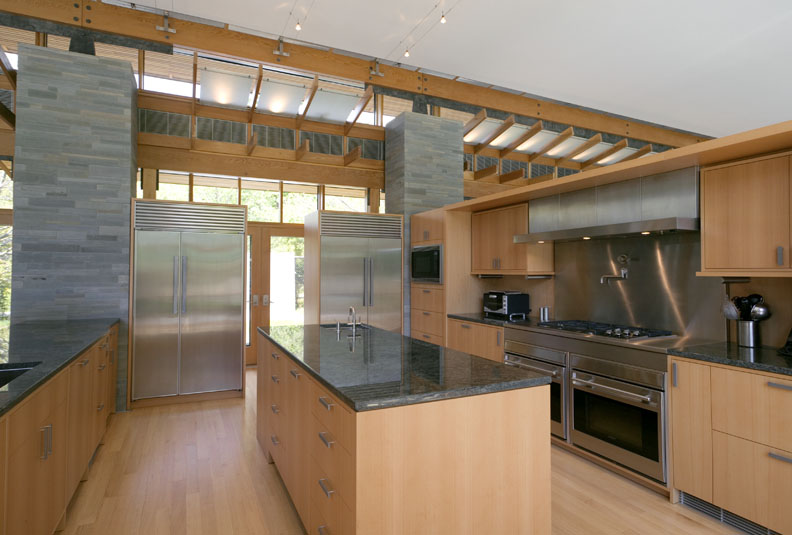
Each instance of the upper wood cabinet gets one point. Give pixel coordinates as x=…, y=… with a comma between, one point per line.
x=494, y=251
x=426, y=227
x=745, y=218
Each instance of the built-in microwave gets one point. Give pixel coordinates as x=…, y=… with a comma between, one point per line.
x=427, y=263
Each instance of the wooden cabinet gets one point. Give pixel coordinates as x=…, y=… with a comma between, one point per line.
x=426, y=227
x=476, y=338
x=692, y=428
x=427, y=322
x=112, y=365
x=2, y=474
x=493, y=249
x=296, y=431
x=81, y=419
x=100, y=386
x=37, y=459
x=753, y=481
x=427, y=297
x=745, y=217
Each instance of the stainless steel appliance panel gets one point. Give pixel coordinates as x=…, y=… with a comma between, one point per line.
x=344, y=282
x=384, y=283
x=155, y=343
x=211, y=312
x=558, y=388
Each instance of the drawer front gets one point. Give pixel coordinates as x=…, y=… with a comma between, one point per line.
x=426, y=337
x=752, y=406
x=26, y=420
x=333, y=460
x=428, y=322
x=334, y=416
x=431, y=299
x=326, y=498
x=274, y=380
x=318, y=525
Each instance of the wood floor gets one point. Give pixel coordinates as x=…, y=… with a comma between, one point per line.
x=196, y=469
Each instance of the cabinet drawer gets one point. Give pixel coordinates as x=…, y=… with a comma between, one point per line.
x=24, y=421
x=475, y=338
x=334, y=416
x=752, y=406
x=333, y=459
x=274, y=381
x=431, y=299
x=318, y=525
x=426, y=337
x=753, y=481
x=428, y=322
x=328, y=501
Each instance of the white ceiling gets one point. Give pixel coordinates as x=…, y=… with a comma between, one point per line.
x=714, y=67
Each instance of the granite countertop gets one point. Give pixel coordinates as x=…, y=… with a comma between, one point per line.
x=379, y=369
x=764, y=359
x=53, y=344
x=478, y=317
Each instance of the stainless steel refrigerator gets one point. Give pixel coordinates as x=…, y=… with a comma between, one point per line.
x=187, y=299
x=354, y=259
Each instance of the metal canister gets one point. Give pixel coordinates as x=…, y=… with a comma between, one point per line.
x=544, y=314
x=748, y=333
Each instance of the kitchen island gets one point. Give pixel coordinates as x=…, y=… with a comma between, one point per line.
x=380, y=433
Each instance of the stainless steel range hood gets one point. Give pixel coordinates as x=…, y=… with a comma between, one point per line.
x=667, y=202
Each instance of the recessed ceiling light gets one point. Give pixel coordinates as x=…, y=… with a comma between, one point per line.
x=297, y=26
x=645, y=233
x=586, y=237
x=540, y=241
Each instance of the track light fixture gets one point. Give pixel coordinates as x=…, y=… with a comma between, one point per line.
x=443, y=19
x=407, y=53
x=297, y=26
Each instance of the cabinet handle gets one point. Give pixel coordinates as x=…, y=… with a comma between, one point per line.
x=275, y=379
x=274, y=440
x=275, y=409
x=49, y=440
x=464, y=325
x=779, y=385
x=275, y=356
x=327, y=490
x=322, y=530
x=327, y=404
x=102, y=367
x=425, y=313
x=426, y=291
x=497, y=338
x=493, y=263
x=327, y=442
x=674, y=374
x=85, y=363
x=426, y=336
x=778, y=457
x=112, y=356
x=426, y=234
x=780, y=256
x=294, y=373
x=43, y=443
x=100, y=408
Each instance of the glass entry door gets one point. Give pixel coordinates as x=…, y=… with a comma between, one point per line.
x=274, y=286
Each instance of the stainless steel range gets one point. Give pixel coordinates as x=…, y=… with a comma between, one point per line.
x=608, y=389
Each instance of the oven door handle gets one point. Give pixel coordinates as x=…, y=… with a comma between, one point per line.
x=616, y=391
x=529, y=367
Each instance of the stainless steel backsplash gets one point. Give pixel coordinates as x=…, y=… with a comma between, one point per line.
x=661, y=291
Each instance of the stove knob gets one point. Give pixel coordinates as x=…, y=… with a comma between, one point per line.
x=636, y=333
x=617, y=332
x=609, y=332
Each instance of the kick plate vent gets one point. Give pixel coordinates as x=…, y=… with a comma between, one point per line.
x=730, y=519
x=359, y=225
x=189, y=217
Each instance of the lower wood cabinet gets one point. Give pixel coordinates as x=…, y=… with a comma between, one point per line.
x=3, y=435
x=81, y=418
x=100, y=386
x=476, y=338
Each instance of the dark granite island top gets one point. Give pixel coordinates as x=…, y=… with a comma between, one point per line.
x=379, y=369
x=53, y=344
x=764, y=359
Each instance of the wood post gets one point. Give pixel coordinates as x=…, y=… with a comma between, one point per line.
x=149, y=179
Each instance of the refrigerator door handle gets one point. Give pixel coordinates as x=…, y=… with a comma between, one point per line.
x=371, y=282
x=184, y=285
x=175, y=285
x=365, y=279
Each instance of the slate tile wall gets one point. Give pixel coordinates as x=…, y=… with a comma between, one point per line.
x=423, y=170
x=74, y=175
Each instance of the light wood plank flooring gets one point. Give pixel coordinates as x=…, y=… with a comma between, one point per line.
x=196, y=469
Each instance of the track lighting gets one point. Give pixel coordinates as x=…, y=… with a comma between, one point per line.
x=298, y=27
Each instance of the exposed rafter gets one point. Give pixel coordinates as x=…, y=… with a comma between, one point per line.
x=505, y=125
x=353, y=155
x=474, y=122
x=7, y=116
x=141, y=69
x=8, y=69
x=311, y=94
x=252, y=143
x=646, y=149
x=256, y=94
x=563, y=136
x=599, y=157
x=513, y=176
x=303, y=149
x=4, y=166
x=361, y=105
x=486, y=172
x=590, y=142
x=531, y=132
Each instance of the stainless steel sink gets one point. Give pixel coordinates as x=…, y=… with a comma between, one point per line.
x=12, y=370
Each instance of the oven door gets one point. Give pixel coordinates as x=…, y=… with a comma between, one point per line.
x=557, y=388
x=620, y=421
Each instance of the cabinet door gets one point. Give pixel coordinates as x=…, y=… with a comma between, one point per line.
x=2, y=474
x=482, y=246
x=100, y=409
x=505, y=224
x=691, y=428
x=299, y=394
x=426, y=227
x=81, y=416
x=746, y=216
x=460, y=336
x=112, y=376
x=493, y=336
x=262, y=373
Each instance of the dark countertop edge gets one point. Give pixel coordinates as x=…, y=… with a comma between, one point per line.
x=55, y=371
x=689, y=353
x=413, y=399
x=475, y=317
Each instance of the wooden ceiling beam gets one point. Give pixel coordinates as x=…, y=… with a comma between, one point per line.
x=311, y=94
x=601, y=156
x=361, y=105
x=7, y=116
x=646, y=149
x=590, y=142
x=531, y=132
x=560, y=138
x=505, y=125
x=303, y=149
x=8, y=69
x=513, y=176
x=486, y=172
x=353, y=155
x=5, y=166
x=141, y=69
x=252, y=143
x=256, y=94
x=474, y=122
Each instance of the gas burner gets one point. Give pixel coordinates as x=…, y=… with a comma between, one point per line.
x=605, y=329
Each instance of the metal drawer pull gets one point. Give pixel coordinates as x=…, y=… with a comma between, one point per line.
x=49, y=440
x=580, y=382
x=674, y=374
x=327, y=490
x=295, y=374
x=426, y=336
x=779, y=385
x=274, y=440
x=427, y=291
x=780, y=256
x=327, y=404
x=779, y=457
x=425, y=313
x=464, y=325
x=497, y=338
x=85, y=362
x=102, y=367
x=529, y=367
x=275, y=356
x=100, y=408
x=322, y=530
x=275, y=379
x=275, y=409
x=327, y=442
x=43, y=449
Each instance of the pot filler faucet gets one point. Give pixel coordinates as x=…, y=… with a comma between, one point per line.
x=608, y=278
x=351, y=314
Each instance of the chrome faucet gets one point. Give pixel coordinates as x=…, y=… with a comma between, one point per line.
x=608, y=278
x=352, y=314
